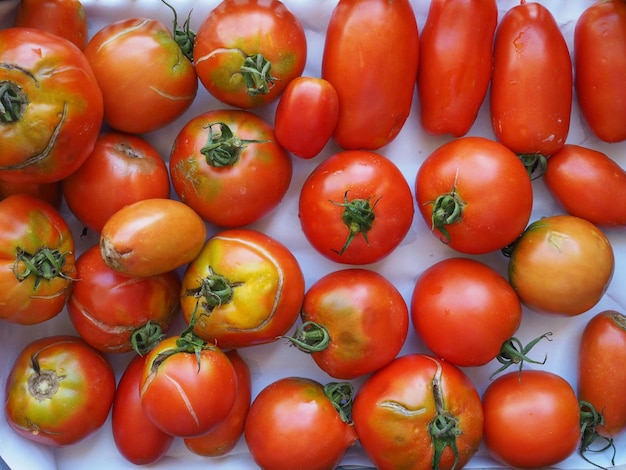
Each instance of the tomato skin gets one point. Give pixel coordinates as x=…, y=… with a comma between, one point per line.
x=374, y=100
x=52, y=193
x=600, y=68
x=464, y=310
x=306, y=116
x=455, y=63
x=531, y=419
x=81, y=386
x=531, y=86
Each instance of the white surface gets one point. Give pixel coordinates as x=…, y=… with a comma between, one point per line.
x=418, y=251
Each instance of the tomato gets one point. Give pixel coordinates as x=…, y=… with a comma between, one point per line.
x=135, y=436
x=561, y=265
x=187, y=386
x=296, y=419
x=356, y=207
x=225, y=436
x=50, y=120
x=531, y=86
x=59, y=391
x=475, y=194
x=306, y=116
x=37, y=252
x=455, y=63
x=600, y=68
x=152, y=236
x=244, y=288
x=115, y=313
x=227, y=165
x=464, y=311
x=374, y=74
x=52, y=192
x=117, y=161
x=531, y=419
x=418, y=412
x=246, y=52
x=65, y=18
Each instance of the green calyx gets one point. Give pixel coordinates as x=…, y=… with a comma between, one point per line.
x=223, y=148
x=184, y=37
x=447, y=209
x=45, y=264
x=256, y=72
x=590, y=418
x=513, y=352
x=146, y=337
x=12, y=102
x=358, y=215
x=214, y=290
x=310, y=337
x=341, y=395
x=535, y=164
x=444, y=427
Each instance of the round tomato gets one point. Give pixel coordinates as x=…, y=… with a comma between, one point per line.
x=531, y=419
x=356, y=207
x=561, y=265
x=475, y=194
x=244, y=288
x=464, y=311
x=52, y=193
x=227, y=165
x=246, y=52
x=121, y=161
x=418, y=413
x=50, y=120
x=298, y=421
x=59, y=391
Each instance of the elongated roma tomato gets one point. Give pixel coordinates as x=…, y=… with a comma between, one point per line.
x=371, y=57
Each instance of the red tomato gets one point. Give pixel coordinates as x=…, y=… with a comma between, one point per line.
x=246, y=51
x=531, y=87
x=64, y=108
x=531, y=419
x=600, y=68
x=374, y=99
x=464, y=311
x=475, y=194
x=122, y=161
x=294, y=421
x=418, y=413
x=356, y=207
x=135, y=436
x=59, y=391
x=306, y=116
x=455, y=63
x=52, y=193
x=227, y=165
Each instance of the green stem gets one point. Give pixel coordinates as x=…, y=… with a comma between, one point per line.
x=310, y=337
x=447, y=209
x=214, y=290
x=223, y=148
x=444, y=427
x=184, y=37
x=341, y=395
x=146, y=337
x=45, y=264
x=535, y=164
x=513, y=352
x=12, y=101
x=358, y=215
x=590, y=418
x=256, y=72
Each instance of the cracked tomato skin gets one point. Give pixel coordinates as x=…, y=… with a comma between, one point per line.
x=57, y=113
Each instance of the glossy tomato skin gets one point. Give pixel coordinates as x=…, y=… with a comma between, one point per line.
x=65, y=108
x=362, y=181
x=486, y=183
x=600, y=68
x=455, y=63
x=292, y=420
x=394, y=407
x=59, y=391
x=464, y=311
x=561, y=265
x=52, y=193
x=531, y=87
x=237, y=190
x=306, y=116
x=118, y=161
x=230, y=39
x=531, y=419
x=374, y=99
x=244, y=288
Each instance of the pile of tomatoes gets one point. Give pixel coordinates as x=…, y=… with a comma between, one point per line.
x=308, y=234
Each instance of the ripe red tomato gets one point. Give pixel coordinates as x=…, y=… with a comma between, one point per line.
x=531, y=87
x=418, y=413
x=118, y=160
x=246, y=52
x=531, y=419
x=64, y=108
x=455, y=63
x=374, y=99
x=297, y=421
x=227, y=166
x=475, y=194
x=600, y=68
x=356, y=207
x=464, y=311
x=52, y=193
x=59, y=391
